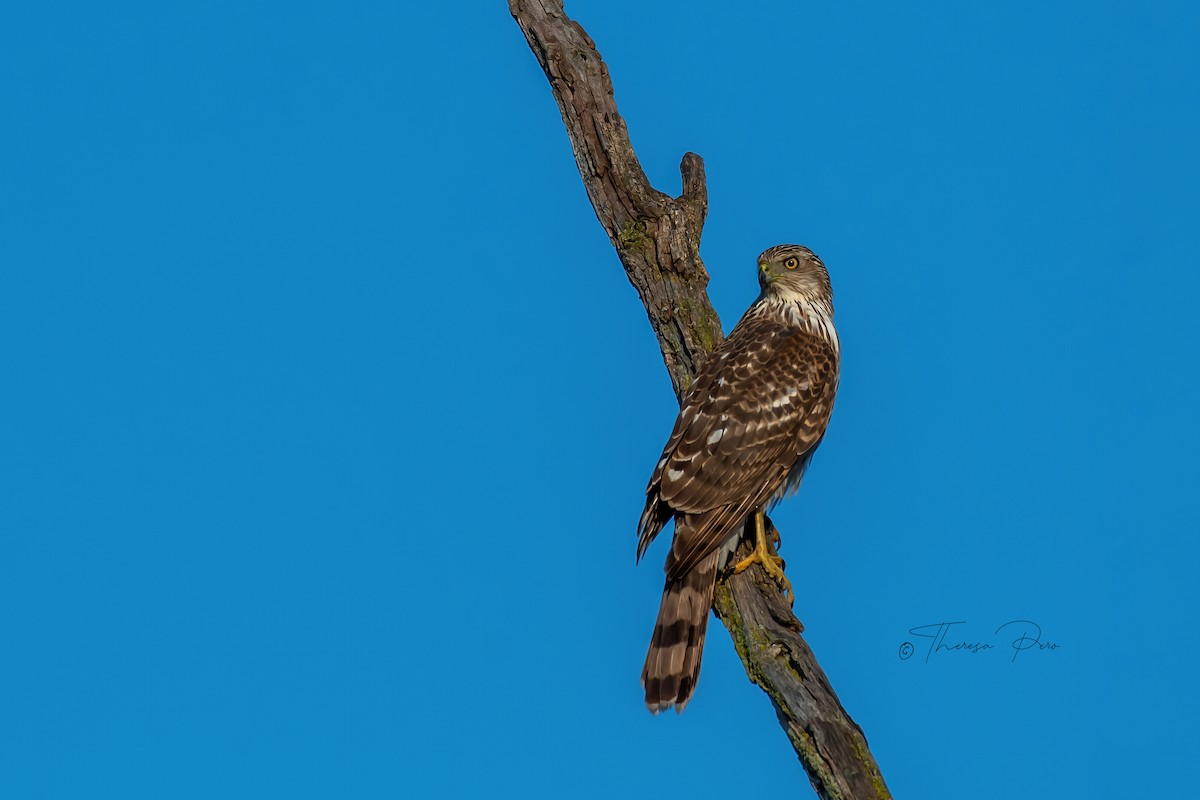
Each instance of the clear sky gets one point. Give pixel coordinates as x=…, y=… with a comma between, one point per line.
x=327, y=410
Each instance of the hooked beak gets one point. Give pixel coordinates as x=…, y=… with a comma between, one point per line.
x=765, y=273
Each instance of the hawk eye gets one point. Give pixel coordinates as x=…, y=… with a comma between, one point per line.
x=791, y=263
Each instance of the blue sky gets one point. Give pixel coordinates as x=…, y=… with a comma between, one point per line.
x=327, y=408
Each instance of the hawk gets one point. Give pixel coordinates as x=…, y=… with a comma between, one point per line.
x=747, y=428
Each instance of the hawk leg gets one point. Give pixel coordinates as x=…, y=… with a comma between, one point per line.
x=764, y=554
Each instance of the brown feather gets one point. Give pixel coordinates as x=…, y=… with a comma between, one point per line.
x=673, y=660
x=770, y=416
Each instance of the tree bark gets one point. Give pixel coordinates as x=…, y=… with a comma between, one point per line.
x=657, y=238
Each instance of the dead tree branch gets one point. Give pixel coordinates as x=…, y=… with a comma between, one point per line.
x=657, y=238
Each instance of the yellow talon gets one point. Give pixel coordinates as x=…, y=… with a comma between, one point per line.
x=771, y=563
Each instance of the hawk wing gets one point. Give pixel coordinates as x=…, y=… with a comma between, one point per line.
x=758, y=406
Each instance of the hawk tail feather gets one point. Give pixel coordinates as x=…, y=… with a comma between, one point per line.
x=673, y=660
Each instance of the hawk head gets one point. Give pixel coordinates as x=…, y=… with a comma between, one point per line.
x=793, y=272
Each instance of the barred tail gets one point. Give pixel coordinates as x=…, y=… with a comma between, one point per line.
x=673, y=661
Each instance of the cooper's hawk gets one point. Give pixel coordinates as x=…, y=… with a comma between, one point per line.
x=746, y=430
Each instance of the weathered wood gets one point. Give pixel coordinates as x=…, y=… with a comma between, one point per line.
x=657, y=238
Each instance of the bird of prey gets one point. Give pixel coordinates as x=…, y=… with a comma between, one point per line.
x=746, y=430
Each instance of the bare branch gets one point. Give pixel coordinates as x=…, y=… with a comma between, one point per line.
x=657, y=238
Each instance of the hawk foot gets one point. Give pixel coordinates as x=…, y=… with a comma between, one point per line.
x=764, y=554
